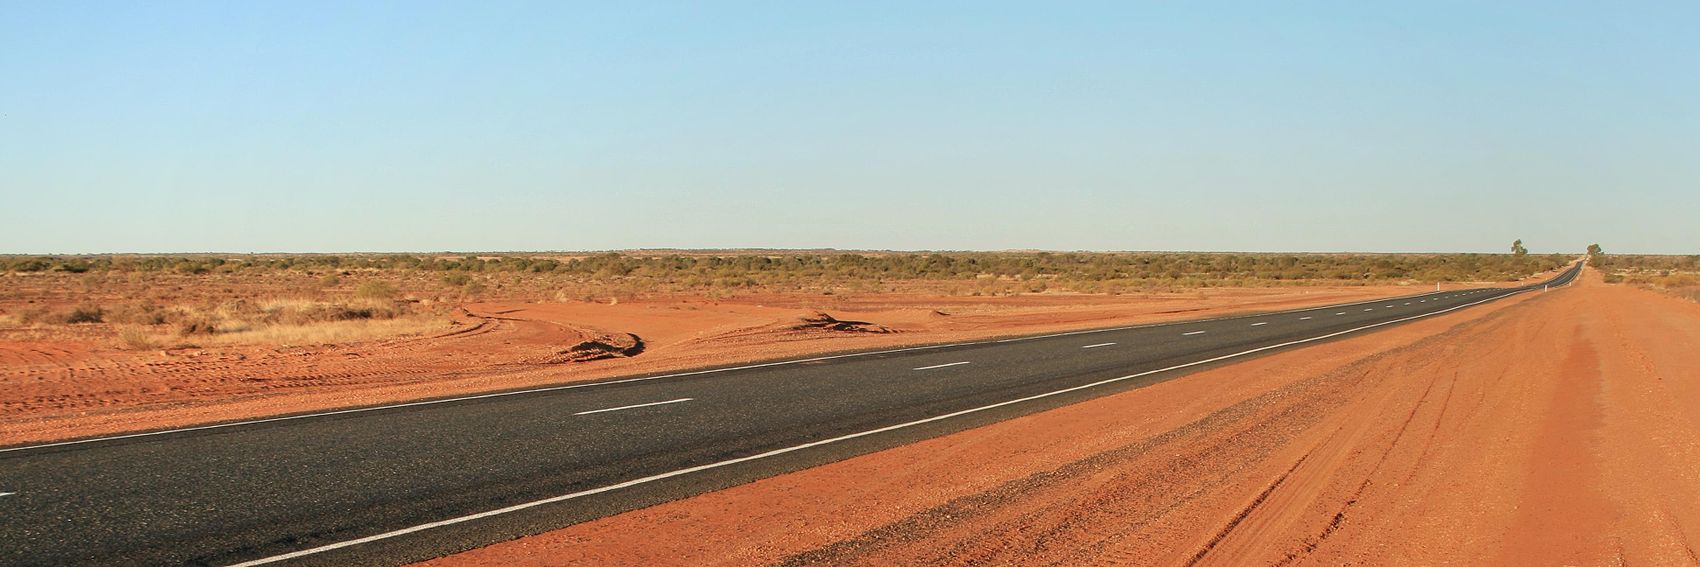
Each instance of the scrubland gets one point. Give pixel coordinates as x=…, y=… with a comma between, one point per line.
x=101, y=344
x=195, y=300
x=1673, y=275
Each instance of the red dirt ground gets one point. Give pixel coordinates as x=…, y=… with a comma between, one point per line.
x=71, y=388
x=1557, y=428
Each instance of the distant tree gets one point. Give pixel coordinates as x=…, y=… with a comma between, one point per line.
x=1517, y=248
x=1595, y=250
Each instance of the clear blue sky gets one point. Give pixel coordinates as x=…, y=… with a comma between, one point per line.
x=1254, y=126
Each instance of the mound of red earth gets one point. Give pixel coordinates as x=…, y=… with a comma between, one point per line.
x=616, y=345
x=820, y=321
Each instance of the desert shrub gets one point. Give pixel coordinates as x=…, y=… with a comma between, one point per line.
x=139, y=313
x=456, y=279
x=1679, y=280
x=375, y=289
x=303, y=312
x=85, y=314
x=330, y=280
x=197, y=325
x=135, y=338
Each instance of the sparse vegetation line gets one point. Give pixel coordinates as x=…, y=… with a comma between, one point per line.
x=143, y=302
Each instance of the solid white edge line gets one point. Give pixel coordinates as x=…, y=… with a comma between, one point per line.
x=1098, y=345
x=795, y=448
x=634, y=406
x=646, y=378
x=940, y=365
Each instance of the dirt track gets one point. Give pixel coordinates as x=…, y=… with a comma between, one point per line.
x=1552, y=429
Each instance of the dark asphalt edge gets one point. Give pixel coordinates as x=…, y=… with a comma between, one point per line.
x=213, y=427
x=422, y=546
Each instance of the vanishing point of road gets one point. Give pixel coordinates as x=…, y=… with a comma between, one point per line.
x=399, y=483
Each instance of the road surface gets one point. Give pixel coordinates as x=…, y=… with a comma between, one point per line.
x=399, y=483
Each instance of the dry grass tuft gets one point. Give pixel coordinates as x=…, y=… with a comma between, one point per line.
x=136, y=338
x=333, y=332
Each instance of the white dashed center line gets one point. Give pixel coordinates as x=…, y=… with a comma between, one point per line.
x=1303, y=318
x=633, y=406
x=1193, y=333
x=7, y=493
x=1341, y=313
x=1260, y=323
x=941, y=365
x=1369, y=309
x=1098, y=345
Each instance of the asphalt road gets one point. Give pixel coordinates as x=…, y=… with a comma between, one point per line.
x=403, y=483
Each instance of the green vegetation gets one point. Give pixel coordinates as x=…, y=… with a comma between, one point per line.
x=1517, y=248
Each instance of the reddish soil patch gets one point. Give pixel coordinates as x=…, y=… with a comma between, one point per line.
x=1558, y=428
x=57, y=389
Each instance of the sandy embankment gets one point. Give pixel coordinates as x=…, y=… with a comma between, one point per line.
x=61, y=389
x=1558, y=428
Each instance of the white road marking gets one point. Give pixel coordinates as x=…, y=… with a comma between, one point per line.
x=1407, y=303
x=611, y=382
x=7, y=493
x=795, y=448
x=1303, y=318
x=940, y=365
x=1369, y=309
x=485, y=396
x=634, y=406
x=1260, y=323
x=1098, y=345
x=1193, y=333
x=1341, y=313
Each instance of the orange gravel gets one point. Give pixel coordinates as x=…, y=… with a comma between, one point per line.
x=1556, y=428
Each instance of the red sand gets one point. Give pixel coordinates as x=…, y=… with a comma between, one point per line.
x=1557, y=428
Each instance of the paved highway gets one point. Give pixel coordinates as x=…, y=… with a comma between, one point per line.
x=394, y=484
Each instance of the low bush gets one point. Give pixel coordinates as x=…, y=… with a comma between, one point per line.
x=135, y=338
x=375, y=290
x=85, y=314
